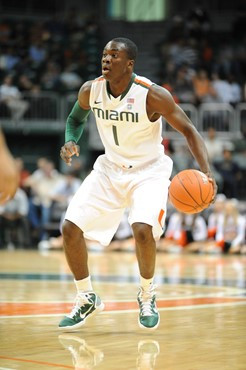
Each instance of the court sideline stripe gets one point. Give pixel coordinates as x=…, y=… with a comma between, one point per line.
x=37, y=362
x=177, y=308
x=224, y=294
x=29, y=308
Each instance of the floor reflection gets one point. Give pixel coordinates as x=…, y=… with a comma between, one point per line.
x=148, y=350
x=83, y=355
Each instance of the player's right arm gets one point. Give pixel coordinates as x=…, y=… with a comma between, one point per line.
x=75, y=123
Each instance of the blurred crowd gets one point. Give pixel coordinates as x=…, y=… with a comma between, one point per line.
x=37, y=209
x=53, y=55
x=201, y=66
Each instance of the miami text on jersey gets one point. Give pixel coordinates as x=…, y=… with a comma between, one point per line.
x=113, y=115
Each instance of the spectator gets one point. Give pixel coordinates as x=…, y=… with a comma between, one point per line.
x=214, y=145
x=14, y=224
x=230, y=235
x=70, y=80
x=37, y=53
x=236, y=93
x=183, y=87
x=203, y=88
x=9, y=59
x=60, y=197
x=184, y=230
x=230, y=172
x=50, y=78
x=11, y=96
x=213, y=218
x=222, y=88
x=41, y=182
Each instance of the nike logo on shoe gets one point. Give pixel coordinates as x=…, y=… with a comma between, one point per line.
x=97, y=102
x=83, y=315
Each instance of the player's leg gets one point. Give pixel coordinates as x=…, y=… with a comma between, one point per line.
x=87, y=302
x=145, y=234
x=98, y=214
x=145, y=249
x=146, y=256
x=147, y=216
x=75, y=250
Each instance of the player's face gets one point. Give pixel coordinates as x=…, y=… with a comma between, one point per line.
x=115, y=61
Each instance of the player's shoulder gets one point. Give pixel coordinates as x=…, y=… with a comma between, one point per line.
x=142, y=81
x=86, y=87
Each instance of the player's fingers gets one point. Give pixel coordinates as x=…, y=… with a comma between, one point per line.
x=66, y=158
x=71, y=149
x=214, y=190
x=77, y=150
x=64, y=154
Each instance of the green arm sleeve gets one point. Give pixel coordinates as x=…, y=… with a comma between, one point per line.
x=75, y=123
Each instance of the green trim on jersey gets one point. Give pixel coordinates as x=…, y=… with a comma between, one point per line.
x=124, y=92
x=128, y=87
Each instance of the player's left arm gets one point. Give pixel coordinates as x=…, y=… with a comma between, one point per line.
x=161, y=102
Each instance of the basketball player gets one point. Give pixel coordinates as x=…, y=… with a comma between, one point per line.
x=134, y=173
x=9, y=177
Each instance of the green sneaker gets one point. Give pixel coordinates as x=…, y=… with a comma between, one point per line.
x=149, y=317
x=86, y=304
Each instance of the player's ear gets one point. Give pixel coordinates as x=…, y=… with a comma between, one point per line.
x=131, y=63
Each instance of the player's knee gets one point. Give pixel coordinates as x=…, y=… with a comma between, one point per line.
x=142, y=233
x=70, y=231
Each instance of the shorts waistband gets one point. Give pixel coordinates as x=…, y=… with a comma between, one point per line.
x=132, y=167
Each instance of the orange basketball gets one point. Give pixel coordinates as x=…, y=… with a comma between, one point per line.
x=190, y=191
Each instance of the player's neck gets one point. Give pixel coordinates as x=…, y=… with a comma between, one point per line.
x=119, y=86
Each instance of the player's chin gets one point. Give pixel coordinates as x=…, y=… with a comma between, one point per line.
x=106, y=74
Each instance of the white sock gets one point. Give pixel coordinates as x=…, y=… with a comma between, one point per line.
x=84, y=285
x=146, y=283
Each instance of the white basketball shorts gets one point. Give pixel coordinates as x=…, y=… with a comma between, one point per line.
x=99, y=204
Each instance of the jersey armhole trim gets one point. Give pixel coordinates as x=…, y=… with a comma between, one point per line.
x=142, y=83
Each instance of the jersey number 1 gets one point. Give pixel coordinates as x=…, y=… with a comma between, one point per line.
x=114, y=128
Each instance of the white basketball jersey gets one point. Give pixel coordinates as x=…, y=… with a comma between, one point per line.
x=129, y=137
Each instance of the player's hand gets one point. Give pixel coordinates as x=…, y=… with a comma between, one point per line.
x=68, y=150
x=215, y=187
x=9, y=175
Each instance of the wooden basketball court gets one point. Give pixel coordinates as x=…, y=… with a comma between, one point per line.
x=201, y=301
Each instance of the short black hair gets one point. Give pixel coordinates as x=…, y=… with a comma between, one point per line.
x=130, y=46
